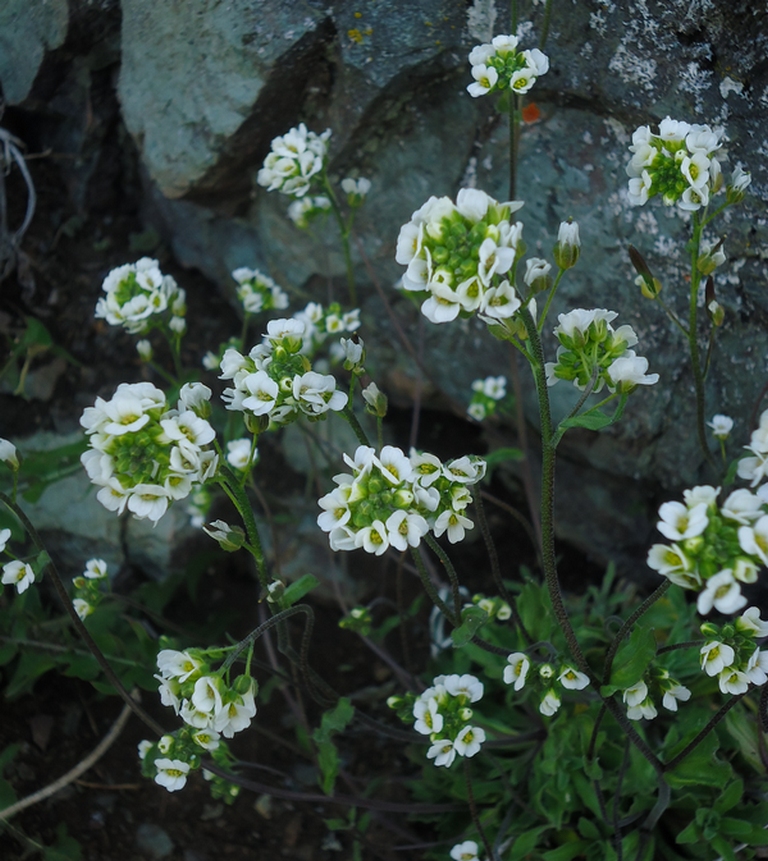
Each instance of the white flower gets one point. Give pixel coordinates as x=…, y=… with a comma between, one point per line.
x=673, y=695
x=535, y=269
x=741, y=179
x=715, y=657
x=644, y=709
x=18, y=574
x=477, y=411
x=671, y=560
x=405, y=530
x=428, y=719
x=468, y=741
x=454, y=524
x=754, y=539
x=515, y=674
x=208, y=739
x=442, y=751
x=5, y=535
x=733, y=681
x=465, y=685
x=485, y=78
x=177, y=665
x=239, y=453
x=750, y=623
x=757, y=666
x=359, y=187
x=495, y=387
x=550, y=704
x=171, y=773
x=95, y=569
x=678, y=522
x=573, y=679
x=629, y=371
x=743, y=506
x=466, y=851
x=373, y=538
x=568, y=234
x=721, y=591
x=82, y=608
x=635, y=694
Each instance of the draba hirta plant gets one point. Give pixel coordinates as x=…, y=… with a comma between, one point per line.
x=546, y=726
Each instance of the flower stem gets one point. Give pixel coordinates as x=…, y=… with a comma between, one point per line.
x=345, y=228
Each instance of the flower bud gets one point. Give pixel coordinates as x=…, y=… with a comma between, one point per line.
x=275, y=591
x=144, y=349
x=376, y=400
x=8, y=454
x=230, y=538
x=710, y=257
x=567, y=248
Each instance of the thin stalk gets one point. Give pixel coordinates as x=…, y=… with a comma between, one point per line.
x=514, y=141
x=430, y=589
x=345, y=228
x=452, y=575
x=672, y=316
x=473, y=811
x=352, y=421
x=693, y=344
x=545, y=25
x=550, y=297
x=630, y=621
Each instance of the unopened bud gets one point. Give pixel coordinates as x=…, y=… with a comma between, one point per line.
x=568, y=246
x=230, y=538
x=376, y=400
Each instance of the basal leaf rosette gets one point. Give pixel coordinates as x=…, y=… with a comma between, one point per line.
x=393, y=500
x=593, y=353
x=714, y=547
x=275, y=382
x=143, y=454
x=499, y=67
x=681, y=163
x=139, y=297
x=459, y=254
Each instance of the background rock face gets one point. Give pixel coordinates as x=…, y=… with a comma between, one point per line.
x=204, y=86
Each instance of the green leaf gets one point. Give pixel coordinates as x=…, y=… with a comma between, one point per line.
x=473, y=618
x=66, y=848
x=633, y=657
x=591, y=421
x=730, y=797
x=296, y=591
x=333, y=721
x=701, y=767
x=689, y=834
x=31, y=666
x=588, y=829
x=502, y=455
x=567, y=852
x=526, y=843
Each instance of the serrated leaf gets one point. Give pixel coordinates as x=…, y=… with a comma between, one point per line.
x=333, y=721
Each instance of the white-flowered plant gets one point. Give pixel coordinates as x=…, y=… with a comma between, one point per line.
x=460, y=254
x=19, y=574
x=715, y=547
x=144, y=454
x=680, y=162
x=443, y=713
x=594, y=354
x=754, y=467
x=275, y=382
x=486, y=395
x=139, y=298
x=731, y=654
x=258, y=292
x=295, y=159
x=306, y=209
x=392, y=500
x=499, y=66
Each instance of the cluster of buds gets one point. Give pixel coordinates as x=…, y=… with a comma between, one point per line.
x=499, y=67
x=202, y=698
x=275, y=382
x=639, y=701
x=295, y=158
x=443, y=713
x=754, y=467
x=258, y=292
x=143, y=454
x=730, y=652
x=392, y=500
x=547, y=679
x=714, y=547
x=88, y=593
x=139, y=298
x=593, y=353
x=460, y=253
x=486, y=395
x=682, y=164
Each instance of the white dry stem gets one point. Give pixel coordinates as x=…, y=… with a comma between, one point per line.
x=74, y=773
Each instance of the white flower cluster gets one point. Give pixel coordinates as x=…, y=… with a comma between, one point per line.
x=258, y=292
x=320, y=322
x=442, y=712
x=143, y=454
x=275, y=382
x=486, y=395
x=546, y=678
x=296, y=157
x=88, y=593
x=681, y=163
x=499, y=66
x=459, y=254
x=306, y=208
x=714, y=547
x=754, y=467
x=138, y=294
x=202, y=698
x=730, y=652
x=392, y=500
x=592, y=351
x=639, y=702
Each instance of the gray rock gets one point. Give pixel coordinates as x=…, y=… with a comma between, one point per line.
x=153, y=840
x=27, y=32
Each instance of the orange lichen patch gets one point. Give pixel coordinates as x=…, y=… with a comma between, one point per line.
x=358, y=14
x=358, y=36
x=531, y=113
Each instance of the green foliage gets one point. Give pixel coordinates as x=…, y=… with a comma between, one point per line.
x=333, y=721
